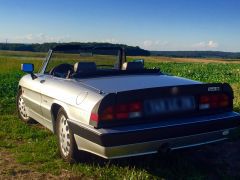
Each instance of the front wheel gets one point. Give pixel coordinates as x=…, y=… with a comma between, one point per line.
x=21, y=108
x=66, y=142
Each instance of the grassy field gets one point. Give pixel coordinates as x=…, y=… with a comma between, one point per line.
x=32, y=150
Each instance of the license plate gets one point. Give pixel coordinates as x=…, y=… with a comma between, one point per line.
x=169, y=105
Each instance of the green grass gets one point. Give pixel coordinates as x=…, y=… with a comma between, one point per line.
x=211, y=72
x=36, y=147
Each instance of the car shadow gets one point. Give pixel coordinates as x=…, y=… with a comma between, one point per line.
x=216, y=161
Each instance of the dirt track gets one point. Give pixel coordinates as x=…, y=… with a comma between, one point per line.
x=10, y=169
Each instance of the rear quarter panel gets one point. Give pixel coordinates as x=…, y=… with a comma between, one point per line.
x=76, y=99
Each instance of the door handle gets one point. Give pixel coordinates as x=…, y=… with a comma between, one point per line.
x=42, y=81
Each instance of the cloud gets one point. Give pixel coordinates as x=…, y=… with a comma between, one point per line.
x=154, y=44
x=147, y=43
x=212, y=44
x=173, y=46
x=206, y=45
x=110, y=40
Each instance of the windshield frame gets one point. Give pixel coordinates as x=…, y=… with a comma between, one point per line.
x=63, y=48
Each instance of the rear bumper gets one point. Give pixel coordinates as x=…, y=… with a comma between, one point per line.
x=148, y=138
x=151, y=146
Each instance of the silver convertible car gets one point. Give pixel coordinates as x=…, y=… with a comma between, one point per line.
x=97, y=101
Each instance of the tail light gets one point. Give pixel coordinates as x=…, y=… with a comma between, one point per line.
x=131, y=110
x=119, y=112
x=108, y=113
x=214, y=101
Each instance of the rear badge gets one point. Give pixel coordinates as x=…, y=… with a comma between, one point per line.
x=212, y=89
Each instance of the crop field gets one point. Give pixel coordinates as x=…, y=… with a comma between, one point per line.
x=30, y=151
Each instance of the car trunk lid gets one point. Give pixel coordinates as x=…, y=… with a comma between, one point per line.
x=134, y=82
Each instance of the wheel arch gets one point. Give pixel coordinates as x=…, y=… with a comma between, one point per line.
x=54, y=111
x=19, y=88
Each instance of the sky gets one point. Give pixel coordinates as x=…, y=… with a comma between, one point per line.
x=151, y=24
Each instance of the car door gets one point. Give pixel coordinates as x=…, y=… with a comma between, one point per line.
x=47, y=90
x=32, y=96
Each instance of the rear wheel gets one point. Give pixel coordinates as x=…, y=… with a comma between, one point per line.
x=21, y=108
x=66, y=142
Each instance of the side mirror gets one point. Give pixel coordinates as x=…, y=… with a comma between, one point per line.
x=139, y=60
x=28, y=68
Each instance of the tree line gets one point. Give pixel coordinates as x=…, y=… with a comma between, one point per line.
x=130, y=50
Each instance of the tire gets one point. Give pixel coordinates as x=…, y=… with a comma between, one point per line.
x=21, y=108
x=66, y=142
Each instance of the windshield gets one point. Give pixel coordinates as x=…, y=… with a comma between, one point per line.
x=104, y=59
x=69, y=63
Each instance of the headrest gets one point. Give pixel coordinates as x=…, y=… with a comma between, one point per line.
x=85, y=67
x=131, y=66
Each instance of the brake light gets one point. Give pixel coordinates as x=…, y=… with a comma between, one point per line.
x=135, y=107
x=94, y=117
x=213, y=101
x=131, y=110
x=120, y=111
x=135, y=110
x=108, y=113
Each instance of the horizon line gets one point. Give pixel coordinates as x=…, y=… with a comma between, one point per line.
x=120, y=44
